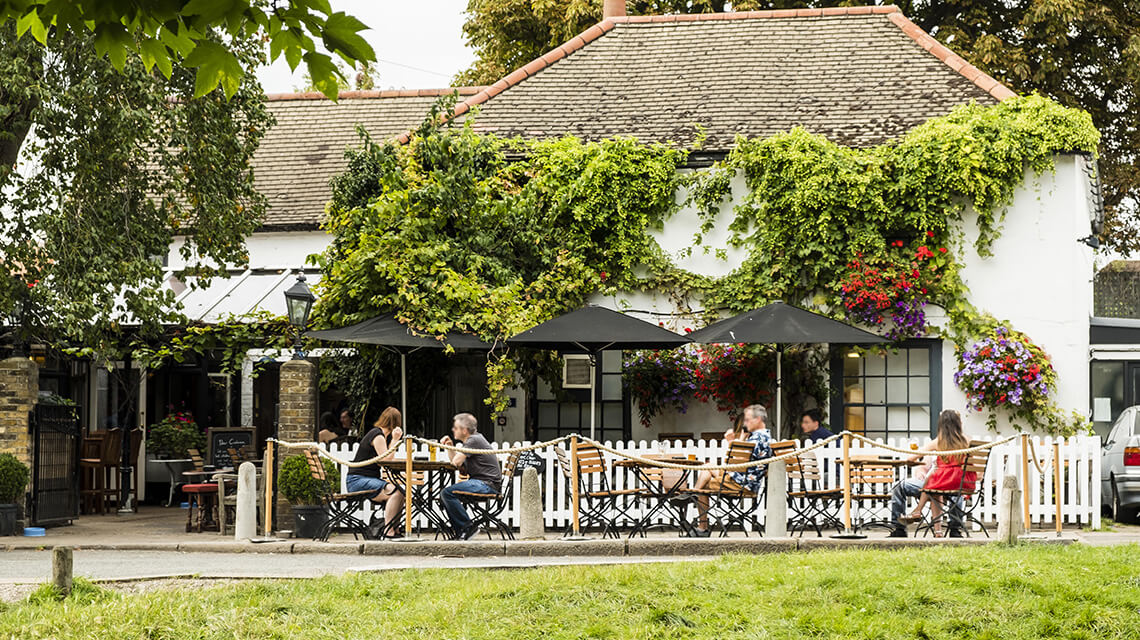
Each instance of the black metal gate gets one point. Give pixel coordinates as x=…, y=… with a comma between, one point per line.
x=56, y=444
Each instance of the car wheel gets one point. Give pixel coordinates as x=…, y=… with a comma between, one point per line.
x=1119, y=513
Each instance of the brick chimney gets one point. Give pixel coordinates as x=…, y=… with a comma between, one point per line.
x=613, y=9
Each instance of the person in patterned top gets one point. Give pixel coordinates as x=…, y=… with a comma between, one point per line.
x=755, y=431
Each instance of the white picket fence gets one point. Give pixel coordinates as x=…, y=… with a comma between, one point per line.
x=1080, y=461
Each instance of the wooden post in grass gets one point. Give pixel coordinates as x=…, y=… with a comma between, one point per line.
x=1010, y=525
x=847, y=482
x=776, y=518
x=408, y=488
x=1057, y=483
x=574, y=482
x=61, y=566
x=267, y=468
x=1025, y=480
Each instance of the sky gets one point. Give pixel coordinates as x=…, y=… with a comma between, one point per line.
x=419, y=44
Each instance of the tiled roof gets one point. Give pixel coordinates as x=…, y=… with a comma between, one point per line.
x=858, y=75
x=305, y=149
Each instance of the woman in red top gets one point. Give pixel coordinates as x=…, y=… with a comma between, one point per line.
x=948, y=473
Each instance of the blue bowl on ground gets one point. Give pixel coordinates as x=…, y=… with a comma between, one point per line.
x=185, y=505
x=34, y=532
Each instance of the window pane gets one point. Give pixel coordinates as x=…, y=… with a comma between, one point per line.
x=853, y=391
x=920, y=361
x=569, y=411
x=896, y=363
x=609, y=415
x=919, y=421
x=1107, y=386
x=853, y=419
x=876, y=392
x=919, y=390
x=876, y=364
x=611, y=362
x=547, y=415
x=876, y=418
x=611, y=387
x=851, y=366
x=898, y=420
x=896, y=390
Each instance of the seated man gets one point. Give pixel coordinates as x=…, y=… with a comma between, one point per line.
x=755, y=425
x=810, y=425
x=484, y=475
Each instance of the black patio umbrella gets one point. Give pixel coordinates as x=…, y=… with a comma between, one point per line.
x=782, y=324
x=388, y=332
x=594, y=329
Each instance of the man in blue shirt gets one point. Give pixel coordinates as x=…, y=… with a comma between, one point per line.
x=810, y=425
x=756, y=432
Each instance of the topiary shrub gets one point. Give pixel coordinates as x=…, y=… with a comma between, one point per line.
x=297, y=482
x=13, y=479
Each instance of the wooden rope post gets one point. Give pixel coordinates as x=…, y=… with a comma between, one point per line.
x=408, y=487
x=574, y=481
x=1025, y=480
x=847, y=482
x=267, y=468
x=1057, y=481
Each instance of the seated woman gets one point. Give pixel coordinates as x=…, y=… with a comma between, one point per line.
x=948, y=473
x=329, y=428
x=384, y=433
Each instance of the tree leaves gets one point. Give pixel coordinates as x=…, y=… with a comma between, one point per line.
x=165, y=34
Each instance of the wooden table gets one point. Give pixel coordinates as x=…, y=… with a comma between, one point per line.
x=437, y=475
x=659, y=489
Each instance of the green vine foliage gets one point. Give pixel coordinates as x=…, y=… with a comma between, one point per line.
x=450, y=232
x=455, y=230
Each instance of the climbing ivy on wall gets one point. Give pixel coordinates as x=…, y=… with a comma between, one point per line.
x=459, y=230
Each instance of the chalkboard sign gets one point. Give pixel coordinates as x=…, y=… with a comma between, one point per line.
x=221, y=439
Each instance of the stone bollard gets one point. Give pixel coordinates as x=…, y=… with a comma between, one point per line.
x=1011, y=524
x=776, y=516
x=530, y=507
x=61, y=566
x=245, y=523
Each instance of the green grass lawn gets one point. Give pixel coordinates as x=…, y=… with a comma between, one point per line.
x=964, y=592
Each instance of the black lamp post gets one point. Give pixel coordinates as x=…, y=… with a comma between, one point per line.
x=298, y=303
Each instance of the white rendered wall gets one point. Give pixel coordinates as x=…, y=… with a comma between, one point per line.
x=270, y=250
x=1039, y=278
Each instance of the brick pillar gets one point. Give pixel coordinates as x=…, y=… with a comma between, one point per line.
x=297, y=416
x=19, y=388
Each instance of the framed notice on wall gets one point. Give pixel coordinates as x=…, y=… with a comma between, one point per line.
x=220, y=440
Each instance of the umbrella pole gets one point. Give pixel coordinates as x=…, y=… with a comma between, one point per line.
x=404, y=388
x=593, y=365
x=779, y=389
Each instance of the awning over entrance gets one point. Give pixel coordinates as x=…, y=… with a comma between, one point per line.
x=1114, y=331
x=243, y=292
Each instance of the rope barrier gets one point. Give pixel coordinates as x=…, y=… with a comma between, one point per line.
x=348, y=463
x=742, y=466
x=1036, y=462
x=954, y=452
x=466, y=451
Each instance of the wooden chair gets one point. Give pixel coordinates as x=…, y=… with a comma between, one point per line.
x=712, y=436
x=810, y=504
x=598, y=500
x=969, y=497
x=487, y=508
x=95, y=490
x=341, y=507
x=201, y=496
x=675, y=438
x=871, y=484
x=729, y=503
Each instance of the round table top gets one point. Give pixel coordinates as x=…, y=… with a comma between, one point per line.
x=625, y=462
x=889, y=461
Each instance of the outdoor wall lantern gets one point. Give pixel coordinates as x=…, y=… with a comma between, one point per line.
x=298, y=303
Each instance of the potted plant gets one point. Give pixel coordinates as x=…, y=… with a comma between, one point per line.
x=304, y=493
x=13, y=480
x=172, y=437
